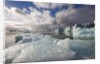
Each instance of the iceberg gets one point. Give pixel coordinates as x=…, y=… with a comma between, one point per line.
x=84, y=33
x=44, y=49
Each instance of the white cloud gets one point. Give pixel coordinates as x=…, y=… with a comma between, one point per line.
x=15, y=14
x=41, y=18
x=48, y=5
x=17, y=11
x=18, y=18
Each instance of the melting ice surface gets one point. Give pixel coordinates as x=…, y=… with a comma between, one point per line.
x=38, y=47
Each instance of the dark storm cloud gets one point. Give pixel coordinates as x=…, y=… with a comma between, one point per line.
x=85, y=14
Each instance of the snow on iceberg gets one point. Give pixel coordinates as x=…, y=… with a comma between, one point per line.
x=44, y=49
